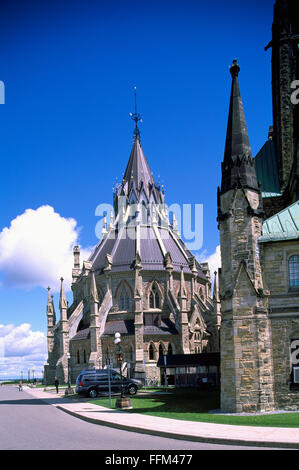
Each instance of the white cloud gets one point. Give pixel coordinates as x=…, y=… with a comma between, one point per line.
x=21, y=349
x=37, y=249
x=214, y=260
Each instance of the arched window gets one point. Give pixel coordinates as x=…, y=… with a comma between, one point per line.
x=154, y=298
x=161, y=350
x=294, y=271
x=169, y=350
x=124, y=299
x=84, y=356
x=78, y=357
x=151, y=352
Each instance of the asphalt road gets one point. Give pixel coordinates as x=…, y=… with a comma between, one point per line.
x=30, y=424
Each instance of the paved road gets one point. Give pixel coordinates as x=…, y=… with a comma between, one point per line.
x=30, y=424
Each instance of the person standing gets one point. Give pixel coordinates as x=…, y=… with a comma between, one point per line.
x=56, y=384
x=20, y=386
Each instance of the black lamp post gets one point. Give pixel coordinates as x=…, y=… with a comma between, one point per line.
x=120, y=357
x=122, y=402
x=69, y=390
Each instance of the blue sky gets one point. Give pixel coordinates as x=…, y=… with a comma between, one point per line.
x=69, y=69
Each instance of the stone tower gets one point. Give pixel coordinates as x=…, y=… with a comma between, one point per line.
x=246, y=362
x=285, y=69
x=62, y=364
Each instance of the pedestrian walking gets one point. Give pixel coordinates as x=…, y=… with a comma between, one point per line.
x=56, y=384
x=20, y=386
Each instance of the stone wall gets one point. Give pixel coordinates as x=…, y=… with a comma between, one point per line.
x=284, y=316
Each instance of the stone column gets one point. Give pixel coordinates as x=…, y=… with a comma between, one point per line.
x=138, y=320
x=183, y=321
x=95, y=349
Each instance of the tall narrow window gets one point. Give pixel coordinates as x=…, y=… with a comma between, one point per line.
x=78, y=357
x=154, y=298
x=161, y=350
x=84, y=356
x=169, y=351
x=124, y=299
x=294, y=271
x=151, y=352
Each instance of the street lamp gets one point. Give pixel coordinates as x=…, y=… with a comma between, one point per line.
x=69, y=390
x=68, y=370
x=120, y=358
x=122, y=402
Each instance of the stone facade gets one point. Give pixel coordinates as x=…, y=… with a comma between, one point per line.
x=284, y=317
x=259, y=238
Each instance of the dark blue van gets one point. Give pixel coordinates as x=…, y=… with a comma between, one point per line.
x=93, y=382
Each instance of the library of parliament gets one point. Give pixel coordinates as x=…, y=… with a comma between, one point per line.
x=142, y=281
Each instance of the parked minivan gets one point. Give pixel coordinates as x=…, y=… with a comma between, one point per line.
x=93, y=382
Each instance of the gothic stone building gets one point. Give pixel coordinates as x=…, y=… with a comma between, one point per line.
x=258, y=219
x=151, y=289
x=141, y=281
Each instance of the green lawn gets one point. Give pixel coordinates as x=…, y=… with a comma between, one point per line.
x=192, y=405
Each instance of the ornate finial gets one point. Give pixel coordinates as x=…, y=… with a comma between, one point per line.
x=234, y=69
x=136, y=117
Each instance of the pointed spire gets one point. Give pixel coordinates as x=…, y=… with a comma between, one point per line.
x=93, y=289
x=175, y=227
x=138, y=171
x=53, y=307
x=216, y=289
x=111, y=223
x=49, y=304
x=138, y=176
x=183, y=293
x=104, y=228
x=62, y=298
x=136, y=117
x=237, y=167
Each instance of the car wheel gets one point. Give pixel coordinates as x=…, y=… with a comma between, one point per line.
x=92, y=393
x=132, y=390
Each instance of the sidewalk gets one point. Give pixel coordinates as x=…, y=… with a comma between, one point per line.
x=172, y=428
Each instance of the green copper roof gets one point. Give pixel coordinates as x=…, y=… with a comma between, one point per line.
x=267, y=170
x=282, y=226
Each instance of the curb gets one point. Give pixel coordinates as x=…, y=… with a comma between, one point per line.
x=185, y=437
x=181, y=436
